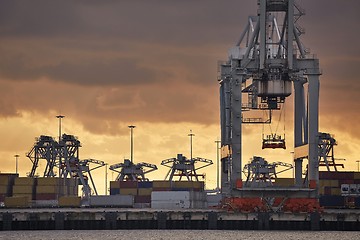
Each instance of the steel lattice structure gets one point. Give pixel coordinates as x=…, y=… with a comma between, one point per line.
x=183, y=167
x=266, y=66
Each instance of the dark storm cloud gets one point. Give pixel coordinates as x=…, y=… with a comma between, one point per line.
x=91, y=72
x=152, y=60
x=185, y=22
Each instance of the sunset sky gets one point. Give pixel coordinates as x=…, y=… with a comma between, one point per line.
x=108, y=64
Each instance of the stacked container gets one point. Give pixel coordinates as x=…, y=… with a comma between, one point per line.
x=178, y=195
x=6, y=184
x=22, y=192
x=335, y=187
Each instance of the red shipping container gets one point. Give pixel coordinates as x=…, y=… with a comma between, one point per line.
x=161, y=189
x=346, y=181
x=128, y=184
x=142, y=199
x=327, y=190
x=46, y=196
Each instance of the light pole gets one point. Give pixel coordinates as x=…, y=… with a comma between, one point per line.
x=191, y=149
x=217, y=164
x=131, y=142
x=16, y=162
x=358, y=161
x=60, y=117
x=106, y=174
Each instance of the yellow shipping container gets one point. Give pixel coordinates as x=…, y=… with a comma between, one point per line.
x=144, y=191
x=49, y=181
x=114, y=184
x=24, y=181
x=49, y=189
x=3, y=189
x=188, y=184
x=161, y=184
x=284, y=182
x=69, y=201
x=17, y=201
x=336, y=191
x=4, y=179
x=329, y=183
x=321, y=190
x=129, y=191
x=19, y=189
x=356, y=175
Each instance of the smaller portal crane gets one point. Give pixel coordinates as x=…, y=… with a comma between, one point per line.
x=183, y=167
x=129, y=171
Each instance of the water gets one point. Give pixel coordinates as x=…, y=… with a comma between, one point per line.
x=177, y=235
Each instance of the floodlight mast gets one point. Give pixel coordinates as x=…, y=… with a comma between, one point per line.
x=266, y=62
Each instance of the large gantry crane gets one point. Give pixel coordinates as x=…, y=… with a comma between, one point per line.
x=268, y=61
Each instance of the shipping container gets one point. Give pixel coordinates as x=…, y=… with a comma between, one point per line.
x=49, y=181
x=49, y=189
x=69, y=201
x=178, y=200
x=46, y=196
x=357, y=202
x=145, y=184
x=112, y=201
x=24, y=181
x=188, y=184
x=161, y=184
x=356, y=175
x=128, y=191
x=18, y=201
x=332, y=201
x=142, y=199
x=2, y=197
x=329, y=183
x=284, y=182
x=142, y=205
x=114, y=184
x=213, y=200
x=336, y=175
x=8, y=178
x=161, y=189
x=327, y=190
x=4, y=189
x=128, y=184
x=45, y=203
x=335, y=191
x=144, y=191
x=18, y=189
x=114, y=191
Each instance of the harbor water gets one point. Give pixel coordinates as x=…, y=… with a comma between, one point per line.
x=177, y=235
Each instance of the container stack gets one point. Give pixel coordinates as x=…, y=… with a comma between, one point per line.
x=6, y=185
x=22, y=192
x=49, y=190
x=142, y=191
x=178, y=195
x=339, y=189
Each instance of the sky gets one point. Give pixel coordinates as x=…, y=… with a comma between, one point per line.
x=109, y=64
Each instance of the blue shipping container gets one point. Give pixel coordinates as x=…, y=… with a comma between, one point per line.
x=332, y=201
x=145, y=184
x=114, y=191
x=357, y=202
